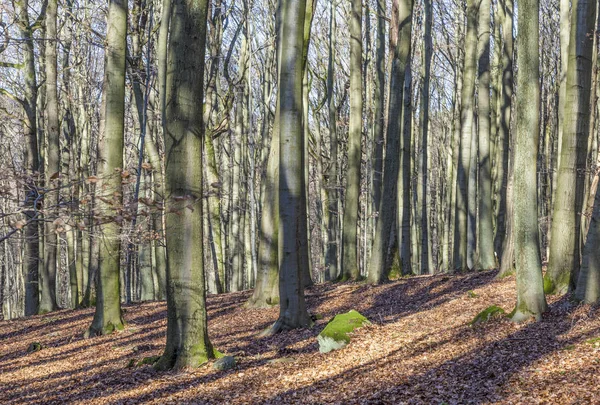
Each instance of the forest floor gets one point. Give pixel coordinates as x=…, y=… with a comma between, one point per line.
x=419, y=349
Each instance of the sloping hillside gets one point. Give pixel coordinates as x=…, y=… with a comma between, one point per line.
x=420, y=348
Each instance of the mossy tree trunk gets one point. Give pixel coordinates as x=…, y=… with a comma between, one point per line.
x=531, y=301
x=107, y=316
x=187, y=334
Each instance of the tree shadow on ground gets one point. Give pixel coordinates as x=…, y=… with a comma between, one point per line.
x=476, y=377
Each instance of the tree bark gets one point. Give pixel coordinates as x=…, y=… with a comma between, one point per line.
x=187, y=344
x=350, y=267
x=565, y=256
x=531, y=301
x=400, y=44
x=485, y=246
x=467, y=99
x=107, y=316
x=292, y=197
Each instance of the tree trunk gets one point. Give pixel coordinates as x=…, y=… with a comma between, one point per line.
x=531, y=301
x=463, y=205
x=350, y=268
x=31, y=163
x=292, y=197
x=331, y=256
x=424, y=185
x=485, y=246
x=107, y=316
x=400, y=44
x=379, y=101
x=568, y=204
x=505, y=9
x=187, y=334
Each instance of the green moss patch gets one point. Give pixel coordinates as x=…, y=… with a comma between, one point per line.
x=487, y=314
x=471, y=294
x=335, y=335
x=35, y=347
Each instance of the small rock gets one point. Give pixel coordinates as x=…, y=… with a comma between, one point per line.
x=224, y=363
x=335, y=335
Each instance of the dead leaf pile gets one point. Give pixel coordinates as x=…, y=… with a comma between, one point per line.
x=419, y=349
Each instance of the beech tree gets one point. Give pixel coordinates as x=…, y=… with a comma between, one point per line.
x=292, y=197
x=187, y=344
x=531, y=301
x=108, y=316
x=563, y=266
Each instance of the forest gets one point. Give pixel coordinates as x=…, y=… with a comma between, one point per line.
x=299, y=201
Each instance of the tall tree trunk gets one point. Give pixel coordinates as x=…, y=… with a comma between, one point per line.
x=505, y=10
x=187, y=334
x=266, y=290
x=379, y=101
x=485, y=246
x=400, y=44
x=292, y=198
x=531, y=301
x=107, y=316
x=424, y=185
x=32, y=164
x=211, y=172
x=568, y=204
x=463, y=205
x=331, y=260
x=350, y=268
x=51, y=198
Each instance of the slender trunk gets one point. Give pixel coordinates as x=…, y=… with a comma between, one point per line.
x=350, y=268
x=424, y=185
x=379, y=101
x=292, y=198
x=505, y=10
x=333, y=181
x=107, y=316
x=32, y=164
x=467, y=98
x=400, y=44
x=51, y=197
x=485, y=246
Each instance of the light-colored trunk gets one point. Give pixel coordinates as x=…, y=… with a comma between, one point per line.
x=505, y=10
x=51, y=198
x=107, y=316
x=331, y=256
x=292, y=197
x=531, y=301
x=564, y=262
x=350, y=267
x=463, y=205
x=485, y=246
x=424, y=183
